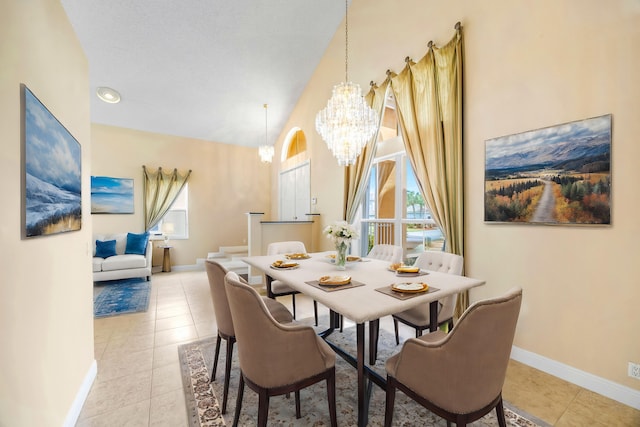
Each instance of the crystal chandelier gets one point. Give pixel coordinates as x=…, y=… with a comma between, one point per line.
x=266, y=151
x=347, y=123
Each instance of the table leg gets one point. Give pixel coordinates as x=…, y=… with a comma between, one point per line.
x=374, y=328
x=433, y=316
x=362, y=409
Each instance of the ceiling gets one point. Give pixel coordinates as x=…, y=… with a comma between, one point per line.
x=202, y=68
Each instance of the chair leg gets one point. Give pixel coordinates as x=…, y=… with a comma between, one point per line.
x=297, y=398
x=390, y=401
x=263, y=407
x=500, y=414
x=227, y=373
x=293, y=301
x=236, y=417
x=395, y=328
x=215, y=359
x=331, y=396
x=315, y=311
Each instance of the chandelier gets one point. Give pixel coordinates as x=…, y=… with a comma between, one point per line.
x=347, y=123
x=266, y=151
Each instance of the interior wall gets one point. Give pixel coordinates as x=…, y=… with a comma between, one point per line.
x=226, y=182
x=527, y=65
x=46, y=314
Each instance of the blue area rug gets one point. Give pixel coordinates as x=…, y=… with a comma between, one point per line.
x=113, y=297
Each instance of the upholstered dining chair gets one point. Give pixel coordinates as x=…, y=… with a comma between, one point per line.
x=459, y=376
x=385, y=252
x=215, y=274
x=393, y=254
x=275, y=288
x=418, y=317
x=276, y=359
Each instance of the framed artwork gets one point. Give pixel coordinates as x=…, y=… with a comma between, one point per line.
x=556, y=175
x=52, y=172
x=111, y=195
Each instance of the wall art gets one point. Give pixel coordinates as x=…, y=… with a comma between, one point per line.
x=556, y=175
x=52, y=172
x=111, y=195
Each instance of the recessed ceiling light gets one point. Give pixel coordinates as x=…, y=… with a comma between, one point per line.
x=108, y=95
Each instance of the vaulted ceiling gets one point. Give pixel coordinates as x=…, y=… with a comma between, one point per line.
x=202, y=68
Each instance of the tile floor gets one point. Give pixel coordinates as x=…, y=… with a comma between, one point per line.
x=139, y=383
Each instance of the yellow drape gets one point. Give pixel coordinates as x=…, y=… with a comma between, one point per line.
x=159, y=192
x=429, y=102
x=357, y=175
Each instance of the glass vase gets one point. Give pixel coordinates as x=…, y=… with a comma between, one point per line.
x=341, y=255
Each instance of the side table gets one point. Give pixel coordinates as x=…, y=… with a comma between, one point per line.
x=166, y=259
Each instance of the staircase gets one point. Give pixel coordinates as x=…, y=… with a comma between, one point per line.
x=229, y=258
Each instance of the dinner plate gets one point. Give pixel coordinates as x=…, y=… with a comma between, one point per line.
x=297, y=256
x=410, y=287
x=279, y=265
x=334, y=280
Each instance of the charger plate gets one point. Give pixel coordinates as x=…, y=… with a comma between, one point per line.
x=297, y=256
x=387, y=290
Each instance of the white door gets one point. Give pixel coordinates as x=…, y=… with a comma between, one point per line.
x=295, y=193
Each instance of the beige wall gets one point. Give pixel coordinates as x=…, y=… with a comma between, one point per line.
x=226, y=182
x=527, y=65
x=46, y=315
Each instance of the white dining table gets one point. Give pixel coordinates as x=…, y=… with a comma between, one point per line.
x=364, y=302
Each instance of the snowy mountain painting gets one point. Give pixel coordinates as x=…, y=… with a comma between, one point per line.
x=557, y=175
x=53, y=196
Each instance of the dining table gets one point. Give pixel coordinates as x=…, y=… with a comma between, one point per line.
x=370, y=293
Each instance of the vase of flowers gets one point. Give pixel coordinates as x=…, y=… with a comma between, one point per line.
x=341, y=233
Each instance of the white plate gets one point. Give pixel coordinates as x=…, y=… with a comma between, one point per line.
x=335, y=280
x=288, y=266
x=410, y=287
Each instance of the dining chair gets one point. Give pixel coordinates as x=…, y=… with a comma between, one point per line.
x=215, y=275
x=393, y=254
x=275, y=288
x=385, y=252
x=276, y=359
x=459, y=376
x=418, y=317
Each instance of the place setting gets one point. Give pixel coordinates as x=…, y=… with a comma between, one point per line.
x=284, y=265
x=402, y=270
x=334, y=283
x=406, y=290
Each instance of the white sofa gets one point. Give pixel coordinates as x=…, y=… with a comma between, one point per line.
x=121, y=266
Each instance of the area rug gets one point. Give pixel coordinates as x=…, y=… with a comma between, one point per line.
x=124, y=296
x=203, y=407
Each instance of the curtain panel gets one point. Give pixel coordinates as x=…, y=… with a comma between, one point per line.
x=357, y=175
x=159, y=192
x=429, y=101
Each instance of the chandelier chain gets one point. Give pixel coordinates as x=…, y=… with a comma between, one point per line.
x=346, y=41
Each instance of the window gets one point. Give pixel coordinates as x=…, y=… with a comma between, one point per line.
x=393, y=210
x=175, y=223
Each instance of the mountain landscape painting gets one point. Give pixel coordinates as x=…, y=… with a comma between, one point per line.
x=53, y=195
x=556, y=175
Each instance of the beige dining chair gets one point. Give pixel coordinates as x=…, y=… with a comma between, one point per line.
x=276, y=359
x=385, y=252
x=275, y=288
x=215, y=275
x=418, y=317
x=459, y=376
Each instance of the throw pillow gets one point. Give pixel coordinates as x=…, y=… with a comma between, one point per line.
x=137, y=243
x=105, y=249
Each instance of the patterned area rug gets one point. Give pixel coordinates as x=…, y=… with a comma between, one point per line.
x=203, y=407
x=113, y=297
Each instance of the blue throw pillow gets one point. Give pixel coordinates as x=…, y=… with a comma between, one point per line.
x=137, y=243
x=105, y=249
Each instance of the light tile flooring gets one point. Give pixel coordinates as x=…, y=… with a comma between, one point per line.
x=139, y=383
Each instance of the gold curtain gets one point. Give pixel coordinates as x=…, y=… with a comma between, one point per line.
x=159, y=192
x=429, y=102
x=357, y=175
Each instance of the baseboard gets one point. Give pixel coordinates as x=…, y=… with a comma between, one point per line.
x=81, y=396
x=615, y=391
